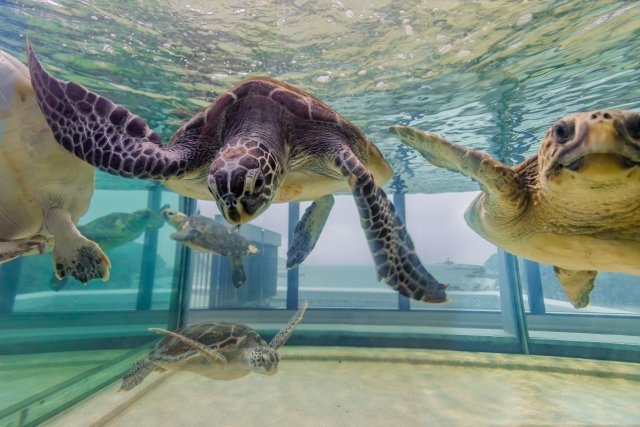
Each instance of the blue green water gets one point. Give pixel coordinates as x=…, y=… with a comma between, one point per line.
x=491, y=75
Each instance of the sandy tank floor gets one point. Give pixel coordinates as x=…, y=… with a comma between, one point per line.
x=380, y=387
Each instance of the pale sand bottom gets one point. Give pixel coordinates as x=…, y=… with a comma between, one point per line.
x=345, y=392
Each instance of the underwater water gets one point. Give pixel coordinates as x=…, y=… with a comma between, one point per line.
x=493, y=76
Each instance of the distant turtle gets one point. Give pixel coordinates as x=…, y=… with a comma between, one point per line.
x=116, y=229
x=261, y=142
x=44, y=190
x=216, y=350
x=207, y=235
x=574, y=205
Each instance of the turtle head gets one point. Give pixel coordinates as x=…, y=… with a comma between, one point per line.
x=262, y=360
x=174, y=218
x=243, y=179
x=596, y=148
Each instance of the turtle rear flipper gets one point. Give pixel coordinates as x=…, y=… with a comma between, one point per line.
x=238, y=275
x=495, y=177
x=138, y=372
x=390, y=244
x=73, y=254
x=14, y=248
x=577, y=284
x=308, y=229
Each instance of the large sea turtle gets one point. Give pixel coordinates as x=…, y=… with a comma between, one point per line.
x=116, y=229
x=216, y=350
x=574, y=205
x=208, y=235
x=44, y=190
x=261, y=142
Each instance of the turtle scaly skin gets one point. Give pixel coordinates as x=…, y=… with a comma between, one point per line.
x=261, y=142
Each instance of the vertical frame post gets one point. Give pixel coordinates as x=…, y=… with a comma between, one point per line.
x=179, y=308
x=404, y=304
x=513, y=316
x=149, y=253
x=293, y=275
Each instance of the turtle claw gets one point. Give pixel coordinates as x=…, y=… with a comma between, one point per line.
x=84, y=262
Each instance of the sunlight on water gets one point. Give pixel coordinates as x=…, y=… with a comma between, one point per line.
x=492, y=75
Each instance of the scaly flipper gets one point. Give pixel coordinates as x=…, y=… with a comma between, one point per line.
x=392, y=248
x=14, y=248
x=496, y=178
x=211, y=355
x=73, y=254
x=308, y=230
x=283, y=335
x=184, y=235
x=138, y=372
x=577, y=284
x=238, y=275
x=100, y=132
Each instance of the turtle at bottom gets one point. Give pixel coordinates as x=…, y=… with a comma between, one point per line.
x=573, y=205
x=116, y=229
x=216, y=350
x=44, y=189
x=208, y=235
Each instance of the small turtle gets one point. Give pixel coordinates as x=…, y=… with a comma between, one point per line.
x=261, y=142
x=207, y=235
x=44, y=190
x=216, y=350
x=574, y=204
x=116, y=229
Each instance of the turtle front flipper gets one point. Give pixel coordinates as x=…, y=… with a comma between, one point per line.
x=238, y=275
x=100, y=132
x=210, y=354
x=308, y=229
x=577, y=284
x=138, y=372
x=184, y=235
x=73, y=254
x=283, y=335
x=391, y=246
x=495, y=178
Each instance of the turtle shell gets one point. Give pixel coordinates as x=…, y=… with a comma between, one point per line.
x=226, y=337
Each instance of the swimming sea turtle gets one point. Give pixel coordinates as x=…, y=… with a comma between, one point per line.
x=216, y=350
x=208, y=235
x=44, y=189
x=116, y=229
x=261, y=142
x=574, y=204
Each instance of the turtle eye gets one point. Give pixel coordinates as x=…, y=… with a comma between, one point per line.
x=562, y=132
x=633, y=126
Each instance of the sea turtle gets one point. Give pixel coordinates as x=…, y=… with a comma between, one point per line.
x=216, y=350
x=44, y=189
x=574, y=204
x=116, y=229
x=208, y=235
x=261, y=142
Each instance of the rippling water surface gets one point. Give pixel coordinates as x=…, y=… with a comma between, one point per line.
x=492, y=75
